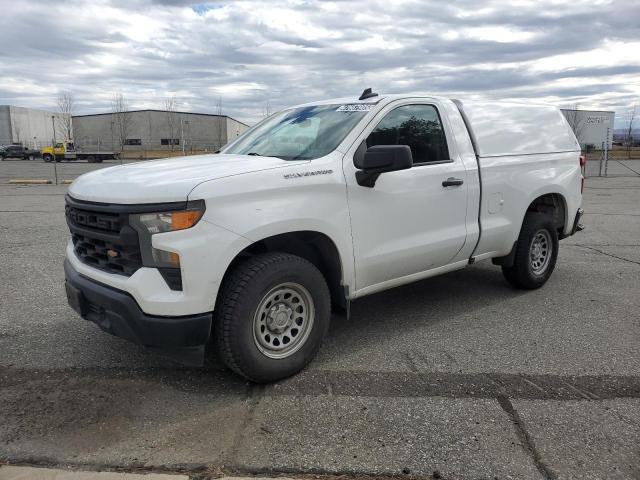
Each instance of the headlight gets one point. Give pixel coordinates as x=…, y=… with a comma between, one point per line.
x=168, y=221
x=148, y=224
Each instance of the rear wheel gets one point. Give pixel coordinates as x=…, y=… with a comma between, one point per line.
x=272, y=313
x=536, y=252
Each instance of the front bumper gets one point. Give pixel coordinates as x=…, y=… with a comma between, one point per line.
x=117, y=313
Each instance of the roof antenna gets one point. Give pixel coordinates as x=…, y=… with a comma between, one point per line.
x=367, y=94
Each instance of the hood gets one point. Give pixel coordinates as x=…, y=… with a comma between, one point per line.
x=168, y=180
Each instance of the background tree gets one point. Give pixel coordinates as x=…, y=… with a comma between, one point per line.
x=266, y=110
x=575, y=120
x=629, y=133
x=17, y=130
x=66, y=104
x=220, y=127
x=122, y=120
x=172, y=121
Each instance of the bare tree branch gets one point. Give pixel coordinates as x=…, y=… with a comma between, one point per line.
x=122, y=119
x=266, y=111
x=575, y=120
x=220, y=130
x=17, y=129
x=629, y=132
x=66, y=104
x=172, y=125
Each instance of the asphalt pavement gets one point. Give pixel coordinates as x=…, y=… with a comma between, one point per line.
x=457, y=376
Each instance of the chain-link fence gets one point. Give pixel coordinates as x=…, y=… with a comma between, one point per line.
x=617, y=162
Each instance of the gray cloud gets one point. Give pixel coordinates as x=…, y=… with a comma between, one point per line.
x=284, y=52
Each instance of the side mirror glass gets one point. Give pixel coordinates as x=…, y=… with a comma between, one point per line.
x=380, y=159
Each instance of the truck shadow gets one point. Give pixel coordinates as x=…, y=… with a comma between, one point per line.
x=471, y=296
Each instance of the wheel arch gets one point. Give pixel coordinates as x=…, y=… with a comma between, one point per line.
x=314, y=246
x=553, y=204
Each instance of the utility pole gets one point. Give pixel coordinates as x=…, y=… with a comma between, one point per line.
x=53, y=148
x=182, y=134
x=606, y=153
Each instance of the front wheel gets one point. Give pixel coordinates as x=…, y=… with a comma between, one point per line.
x=536, y=253
x=272, y=314
x=47, y=158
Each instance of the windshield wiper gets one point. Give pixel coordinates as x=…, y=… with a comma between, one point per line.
x=255, y=154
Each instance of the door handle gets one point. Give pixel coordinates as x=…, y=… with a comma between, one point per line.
x=452, y=182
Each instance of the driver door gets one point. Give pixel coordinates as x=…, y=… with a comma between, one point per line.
x=409, y=222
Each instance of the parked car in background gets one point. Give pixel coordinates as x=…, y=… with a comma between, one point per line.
x=18, y=151
x=317, y=206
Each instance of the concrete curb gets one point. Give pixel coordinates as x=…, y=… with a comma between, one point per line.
x=29, y=181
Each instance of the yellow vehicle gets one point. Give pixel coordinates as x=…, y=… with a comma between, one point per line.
x=67, y=151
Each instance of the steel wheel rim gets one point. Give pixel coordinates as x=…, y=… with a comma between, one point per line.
x=283, y=320
x=540, y=252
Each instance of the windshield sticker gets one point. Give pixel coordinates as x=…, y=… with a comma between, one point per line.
x=355, y=107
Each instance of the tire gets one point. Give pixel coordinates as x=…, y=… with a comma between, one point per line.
x=30, y=158
x=47, y=158
x=536, y=253
x=91, y=159
x=263, y=301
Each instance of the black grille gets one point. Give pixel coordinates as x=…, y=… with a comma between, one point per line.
x=102, y=237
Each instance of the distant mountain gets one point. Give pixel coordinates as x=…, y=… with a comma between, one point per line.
x=620, y=133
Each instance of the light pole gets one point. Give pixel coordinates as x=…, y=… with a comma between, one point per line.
x=182, y=134
x=53, y=148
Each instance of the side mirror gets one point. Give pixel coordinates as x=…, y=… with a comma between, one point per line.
x=380, y=159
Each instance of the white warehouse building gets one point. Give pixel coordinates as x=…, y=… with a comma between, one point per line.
x=29, y=127
x=155, y=130
x=591, y=127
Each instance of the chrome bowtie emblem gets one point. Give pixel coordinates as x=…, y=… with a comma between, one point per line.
x=112, y=253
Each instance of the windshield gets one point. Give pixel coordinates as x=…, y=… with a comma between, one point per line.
x=300, y=133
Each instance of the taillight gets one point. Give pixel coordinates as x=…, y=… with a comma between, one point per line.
x=583, y=163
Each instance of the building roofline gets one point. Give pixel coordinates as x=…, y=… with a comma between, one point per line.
x=162, y=111
x=586, y=110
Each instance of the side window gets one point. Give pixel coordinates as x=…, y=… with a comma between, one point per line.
x=417, y=126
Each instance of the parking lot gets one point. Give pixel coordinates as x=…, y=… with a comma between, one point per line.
x=456, y=377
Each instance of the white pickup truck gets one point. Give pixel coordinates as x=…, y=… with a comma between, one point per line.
x=314, y=207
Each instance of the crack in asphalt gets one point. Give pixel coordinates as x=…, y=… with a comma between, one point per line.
x=613, y=214
x=253, y=397
x=523, y=435
x=609, y=254
x=601, y=245
x=207, y=381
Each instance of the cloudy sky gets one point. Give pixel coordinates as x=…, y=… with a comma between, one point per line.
x=253, y=53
